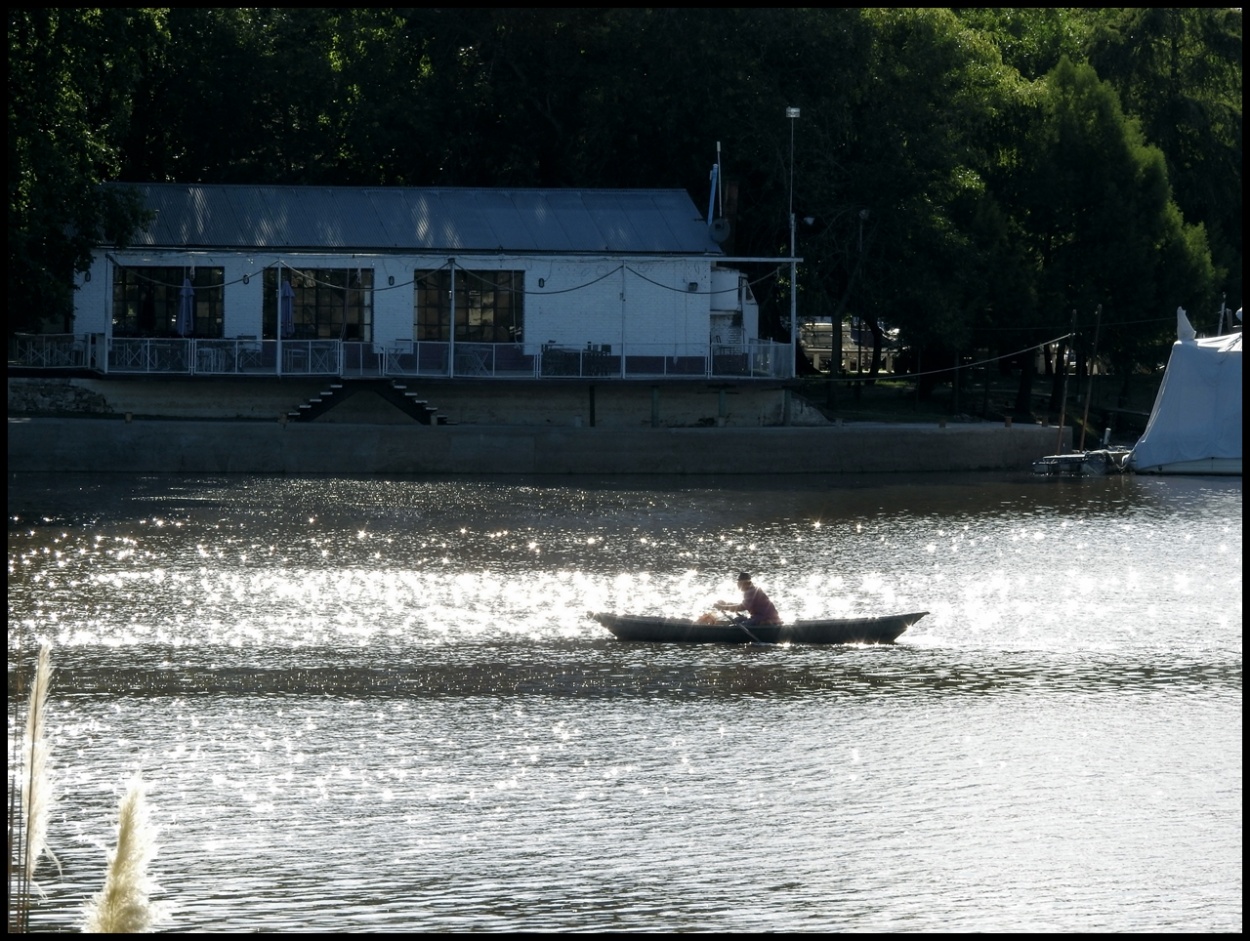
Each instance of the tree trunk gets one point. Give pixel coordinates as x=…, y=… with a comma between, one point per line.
x=1056, y=383
x=878, y=337
x=1023, y=410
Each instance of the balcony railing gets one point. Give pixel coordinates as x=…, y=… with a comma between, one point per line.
x=49, y=350
x=249, y=356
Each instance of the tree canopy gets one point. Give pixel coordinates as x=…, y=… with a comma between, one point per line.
x=968, y=177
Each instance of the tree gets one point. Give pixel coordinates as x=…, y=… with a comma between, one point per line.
x=1179, y=71
x=1032, y=40
x=205, y=108
x=1093, y=204
x=71, y=73
x=925, y=131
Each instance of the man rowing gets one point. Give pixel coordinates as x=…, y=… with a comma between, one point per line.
x=759, y=609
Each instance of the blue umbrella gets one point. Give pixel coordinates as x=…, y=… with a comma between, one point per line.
x=186, y=308
x=286, y=308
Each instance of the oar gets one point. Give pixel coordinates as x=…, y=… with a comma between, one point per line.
x=737, y=623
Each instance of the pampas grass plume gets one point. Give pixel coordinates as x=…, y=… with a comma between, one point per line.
x=35, y=782
x=30, y=794
x=124, y=905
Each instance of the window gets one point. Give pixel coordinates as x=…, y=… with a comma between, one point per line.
x=489, y=305
x=147, y=301
x=326, y=303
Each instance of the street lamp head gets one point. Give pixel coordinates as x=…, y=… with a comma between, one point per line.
x=792, y=112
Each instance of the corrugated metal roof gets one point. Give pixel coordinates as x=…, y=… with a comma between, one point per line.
x=349, y=218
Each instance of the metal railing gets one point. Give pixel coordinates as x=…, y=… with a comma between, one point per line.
x=250, y=356
x=48, y=350
x=143, y=356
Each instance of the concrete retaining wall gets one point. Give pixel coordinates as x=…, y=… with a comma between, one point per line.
x=111, y=445
x=523, y=402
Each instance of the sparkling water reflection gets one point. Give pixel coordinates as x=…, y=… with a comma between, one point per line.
x=378, y=704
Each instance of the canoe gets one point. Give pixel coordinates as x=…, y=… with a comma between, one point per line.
x=875, y=630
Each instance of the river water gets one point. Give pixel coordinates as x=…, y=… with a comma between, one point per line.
x=378, y=704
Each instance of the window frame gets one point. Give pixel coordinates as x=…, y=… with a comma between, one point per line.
x=328, y=304
x=490, y=305
x=135, y=286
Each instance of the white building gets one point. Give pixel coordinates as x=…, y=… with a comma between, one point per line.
x=232, y=279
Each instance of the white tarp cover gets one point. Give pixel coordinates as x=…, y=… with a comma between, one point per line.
x=1197, y=412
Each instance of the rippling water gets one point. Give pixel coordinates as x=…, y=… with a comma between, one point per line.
x=379, y=705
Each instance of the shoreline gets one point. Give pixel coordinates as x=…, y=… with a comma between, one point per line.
x=38, y=444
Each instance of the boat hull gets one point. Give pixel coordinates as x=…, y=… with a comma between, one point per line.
x=1206, y=467
x=644, y=628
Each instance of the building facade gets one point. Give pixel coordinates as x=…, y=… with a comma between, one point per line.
x=494, y=283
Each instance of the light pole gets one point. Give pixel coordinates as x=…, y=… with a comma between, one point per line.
x=792, y=114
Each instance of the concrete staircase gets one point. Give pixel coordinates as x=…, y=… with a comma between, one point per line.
x=392, y=391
